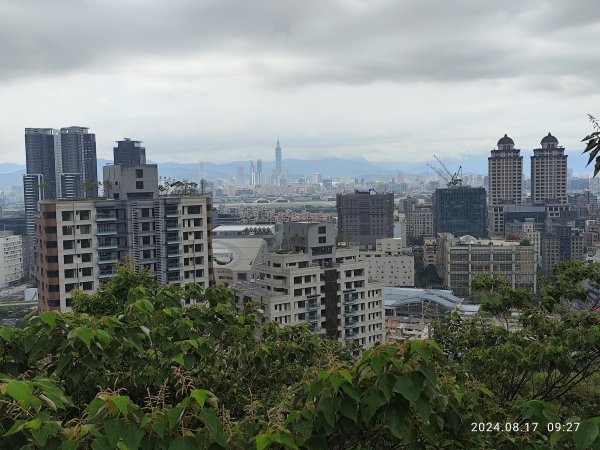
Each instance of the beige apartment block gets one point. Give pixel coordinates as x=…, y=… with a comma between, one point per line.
x=335, y=298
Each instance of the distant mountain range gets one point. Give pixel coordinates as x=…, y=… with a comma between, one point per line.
x=11, y=174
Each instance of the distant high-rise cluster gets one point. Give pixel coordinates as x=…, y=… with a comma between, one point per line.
x=505, y=171
x=60, y=164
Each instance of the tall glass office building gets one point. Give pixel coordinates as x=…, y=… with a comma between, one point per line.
x=460, y=210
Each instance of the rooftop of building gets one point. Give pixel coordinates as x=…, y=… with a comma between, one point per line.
x=236, y=254
x=505, y=140
x=397, y=296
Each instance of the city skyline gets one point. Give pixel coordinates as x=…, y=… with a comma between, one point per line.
x=388, y=81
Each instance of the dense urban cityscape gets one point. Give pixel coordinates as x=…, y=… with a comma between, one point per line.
x=319, y=225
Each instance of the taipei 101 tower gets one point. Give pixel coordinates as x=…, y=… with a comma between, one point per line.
x=278, y=159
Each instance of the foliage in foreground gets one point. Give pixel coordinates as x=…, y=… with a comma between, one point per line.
x=154, y=375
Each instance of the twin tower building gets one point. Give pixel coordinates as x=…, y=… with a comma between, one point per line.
x=505, y=184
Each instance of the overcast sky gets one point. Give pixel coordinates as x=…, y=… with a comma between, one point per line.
x=220, y=80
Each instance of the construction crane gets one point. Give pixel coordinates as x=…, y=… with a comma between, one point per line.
x=452, y=179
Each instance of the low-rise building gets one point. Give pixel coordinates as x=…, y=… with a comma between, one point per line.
x=462, y=259
x=391, y=262
x=234, y=260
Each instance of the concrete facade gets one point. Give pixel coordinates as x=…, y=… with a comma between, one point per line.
x=462, y=259
x=80, y=242
x=391, y=263
x=11, y=259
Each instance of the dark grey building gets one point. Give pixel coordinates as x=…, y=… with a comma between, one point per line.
x=129, y=153
x=364, y=217
x=78, y=148
x=560, y=242
x=460, y=210
x=43, y=157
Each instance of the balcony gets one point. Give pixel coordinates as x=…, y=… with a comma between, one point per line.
x=314, y=317
x=351, y=335
x=172, y=213
x=107, y=246
x=108, y=260
x=173, y=238
x=350, y=301
x=313, y=305
x=172, y=226
x=351, y=311
x=173, y=267
x=106, y=217
x=351, y=323
x=173, y=278
x=174, y=252
x=106, y=274
x=111, y=232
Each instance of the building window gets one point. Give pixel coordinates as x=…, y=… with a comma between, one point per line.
x=139, y=173
x=86, y=257
x=84, y=215
x=196, y=209
x=68, y=259
x=86, y=272
x=145, y=212
x=139, y=185
x=322, y=239
x=68, y=245
x=67, y=216
x=322, y=230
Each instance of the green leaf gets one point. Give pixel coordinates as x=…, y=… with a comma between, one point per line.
x=370, y=404
x=121, y=402
x=586, y=434
x=6, y=333
x=397, y=422
x=262, y=441
x=486, y=391
x=429, y=373
x=423, y=407
x=284, y=439
x=49, y=318
x=346, y=374
x=104, y=338
x=184, y=443
x=349, y=409
x=19, y=390
x=377, y=363
x=200, y=395
x=214, y=425
x=34, y=424
x=386, y=384
x=410, y=386
x=86, y=335
x=328, y=407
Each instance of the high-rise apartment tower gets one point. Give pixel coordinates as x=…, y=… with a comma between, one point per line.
x=549, y=172
x=505, y=175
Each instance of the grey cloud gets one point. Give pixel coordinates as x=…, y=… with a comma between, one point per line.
x=422, y=40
